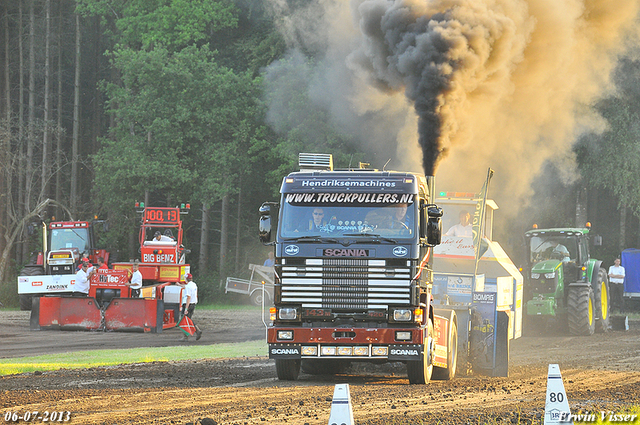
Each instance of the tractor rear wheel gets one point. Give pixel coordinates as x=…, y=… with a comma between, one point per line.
x=581, y=310
x=601, y=294
x=420, y=371
x=29, y=270
x=287, y=369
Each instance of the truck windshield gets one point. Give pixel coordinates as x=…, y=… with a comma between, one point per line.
x=392, y=220
x=70, y=238
x=547, y=247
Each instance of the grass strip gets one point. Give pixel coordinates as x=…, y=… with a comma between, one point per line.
x=97, y=358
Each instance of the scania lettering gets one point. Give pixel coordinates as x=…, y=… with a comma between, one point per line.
x=353, y=275
x=285, y=351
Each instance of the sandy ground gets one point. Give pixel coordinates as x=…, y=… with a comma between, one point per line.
x=601, y=373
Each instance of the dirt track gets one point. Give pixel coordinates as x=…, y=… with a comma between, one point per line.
x=601, y=373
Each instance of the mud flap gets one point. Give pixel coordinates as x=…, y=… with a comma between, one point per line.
x=134, y=315
x=66, y=313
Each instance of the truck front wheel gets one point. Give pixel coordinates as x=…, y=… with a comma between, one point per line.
x=419, y=372
x=287, y=369
x=581, y=312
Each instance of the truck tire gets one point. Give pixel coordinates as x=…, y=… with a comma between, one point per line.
x=449, y=372
x=581, y=310
x=419, y=372
x=601, y=295
x=287, y=369
x=29, y=270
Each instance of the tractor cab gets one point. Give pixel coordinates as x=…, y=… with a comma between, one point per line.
x=553, y=248
x=562, y=280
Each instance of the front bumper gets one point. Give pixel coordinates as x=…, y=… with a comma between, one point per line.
x=347, y=343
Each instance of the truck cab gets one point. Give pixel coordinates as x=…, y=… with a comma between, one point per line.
x=353, y=272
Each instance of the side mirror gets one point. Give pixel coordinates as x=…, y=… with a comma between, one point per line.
x=434, y=225
x=264, y=231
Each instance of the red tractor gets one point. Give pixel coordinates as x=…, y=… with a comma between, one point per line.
x=64, y=244
x=109, y=305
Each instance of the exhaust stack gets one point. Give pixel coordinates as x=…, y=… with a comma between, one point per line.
x=431, y=183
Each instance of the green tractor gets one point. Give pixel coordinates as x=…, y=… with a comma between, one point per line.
x=563, y=284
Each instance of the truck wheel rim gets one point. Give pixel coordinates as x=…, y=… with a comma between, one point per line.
x=604, y=301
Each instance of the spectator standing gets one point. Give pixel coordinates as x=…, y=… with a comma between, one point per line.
x=102, y=265
x=136, y=280
x=616, y=280
x=270, y=261
x=189, y=301
x=83, y=277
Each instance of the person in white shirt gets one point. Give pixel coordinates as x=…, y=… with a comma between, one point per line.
x=83, y=277
x=189, y=301
x=463, y=228
x=136, y=280
x=616, y=278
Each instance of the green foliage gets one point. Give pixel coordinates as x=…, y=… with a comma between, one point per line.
x=9, y=292
x=145, y=24
x=611, y=159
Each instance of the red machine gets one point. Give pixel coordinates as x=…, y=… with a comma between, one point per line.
x=64, y=244
x=109, y=306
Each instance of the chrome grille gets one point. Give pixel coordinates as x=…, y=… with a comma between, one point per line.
x=350, y=284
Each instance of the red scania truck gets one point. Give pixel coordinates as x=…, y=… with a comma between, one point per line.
x=353, y=275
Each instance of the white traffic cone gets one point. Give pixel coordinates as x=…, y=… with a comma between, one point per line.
x=556, y=405
x=341, y=410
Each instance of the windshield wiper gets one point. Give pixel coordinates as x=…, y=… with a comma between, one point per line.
x=374, y=237
x=314, y=238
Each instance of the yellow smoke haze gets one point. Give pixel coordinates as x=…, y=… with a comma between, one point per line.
x=505, y=84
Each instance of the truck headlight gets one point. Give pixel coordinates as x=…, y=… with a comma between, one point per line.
x=345, y=351
x=550, y=275
x=309, y=350
x=287, y=313
x=380, y=351
x=535, y=275
x=402, y=315
x=361, y=351
x=285, y=335
x=403, y=335
x=328, y=351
